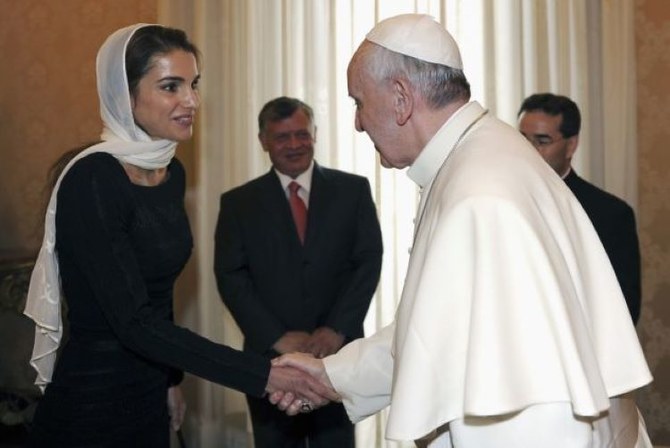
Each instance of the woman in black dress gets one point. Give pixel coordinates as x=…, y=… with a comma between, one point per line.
x=117, y=223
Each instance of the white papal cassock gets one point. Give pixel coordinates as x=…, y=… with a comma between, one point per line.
x=509, y=302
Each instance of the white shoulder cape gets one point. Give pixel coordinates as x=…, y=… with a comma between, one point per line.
x=509, y=300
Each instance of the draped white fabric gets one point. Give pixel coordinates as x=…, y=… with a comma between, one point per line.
x=255, y=50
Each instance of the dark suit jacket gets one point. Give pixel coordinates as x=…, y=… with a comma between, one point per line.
x=273, y=284
x=614, y=221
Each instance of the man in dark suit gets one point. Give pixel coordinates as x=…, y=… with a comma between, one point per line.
x=293, y=285
x=551, y=123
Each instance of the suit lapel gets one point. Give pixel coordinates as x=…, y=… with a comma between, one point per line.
x=319, y=198
x=274, y=206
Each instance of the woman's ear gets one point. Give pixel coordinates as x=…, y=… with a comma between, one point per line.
x=403, y=101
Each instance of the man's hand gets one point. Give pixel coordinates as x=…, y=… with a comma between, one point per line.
x=304, y=362
x=324, y=341
x=292, y=341
x=291, y=388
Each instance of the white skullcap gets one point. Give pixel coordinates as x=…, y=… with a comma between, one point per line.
x=419, y=36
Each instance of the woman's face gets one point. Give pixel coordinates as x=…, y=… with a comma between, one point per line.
x=167, y=97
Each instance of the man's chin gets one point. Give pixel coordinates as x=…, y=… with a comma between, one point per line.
x=383, y=161
x=386, y=164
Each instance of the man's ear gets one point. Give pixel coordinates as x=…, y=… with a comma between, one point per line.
x=262, y=138
x=573, y=142
x=403, y=101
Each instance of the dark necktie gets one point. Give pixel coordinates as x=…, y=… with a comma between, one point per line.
x=298, y=210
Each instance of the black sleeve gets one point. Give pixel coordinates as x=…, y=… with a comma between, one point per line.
x=348, y=313
x=260, y=326
x=626, y=262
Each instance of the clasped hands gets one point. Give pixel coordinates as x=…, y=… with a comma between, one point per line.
x=298, y=381
x=322, y=342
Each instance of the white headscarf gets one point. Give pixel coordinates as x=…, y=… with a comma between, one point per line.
x=122, y=138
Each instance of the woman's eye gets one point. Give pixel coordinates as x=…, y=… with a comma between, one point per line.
x=171, y=87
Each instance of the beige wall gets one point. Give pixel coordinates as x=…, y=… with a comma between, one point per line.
x=652, y=24
x=48, y=100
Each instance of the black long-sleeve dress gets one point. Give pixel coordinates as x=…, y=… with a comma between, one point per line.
x=120, y=248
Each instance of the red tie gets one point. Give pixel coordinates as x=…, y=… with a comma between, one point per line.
x=298, y=210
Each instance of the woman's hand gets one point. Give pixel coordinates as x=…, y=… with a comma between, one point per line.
x=176, y=407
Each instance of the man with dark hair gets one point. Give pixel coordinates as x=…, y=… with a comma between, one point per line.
x=552, y=123
x=298, y=258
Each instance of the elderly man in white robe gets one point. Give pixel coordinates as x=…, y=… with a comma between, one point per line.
x=512, y=330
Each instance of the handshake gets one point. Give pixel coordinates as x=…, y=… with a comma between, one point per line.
x=298, y=382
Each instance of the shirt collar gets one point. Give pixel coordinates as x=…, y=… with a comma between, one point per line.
x=304, y=178
x=433, y=155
